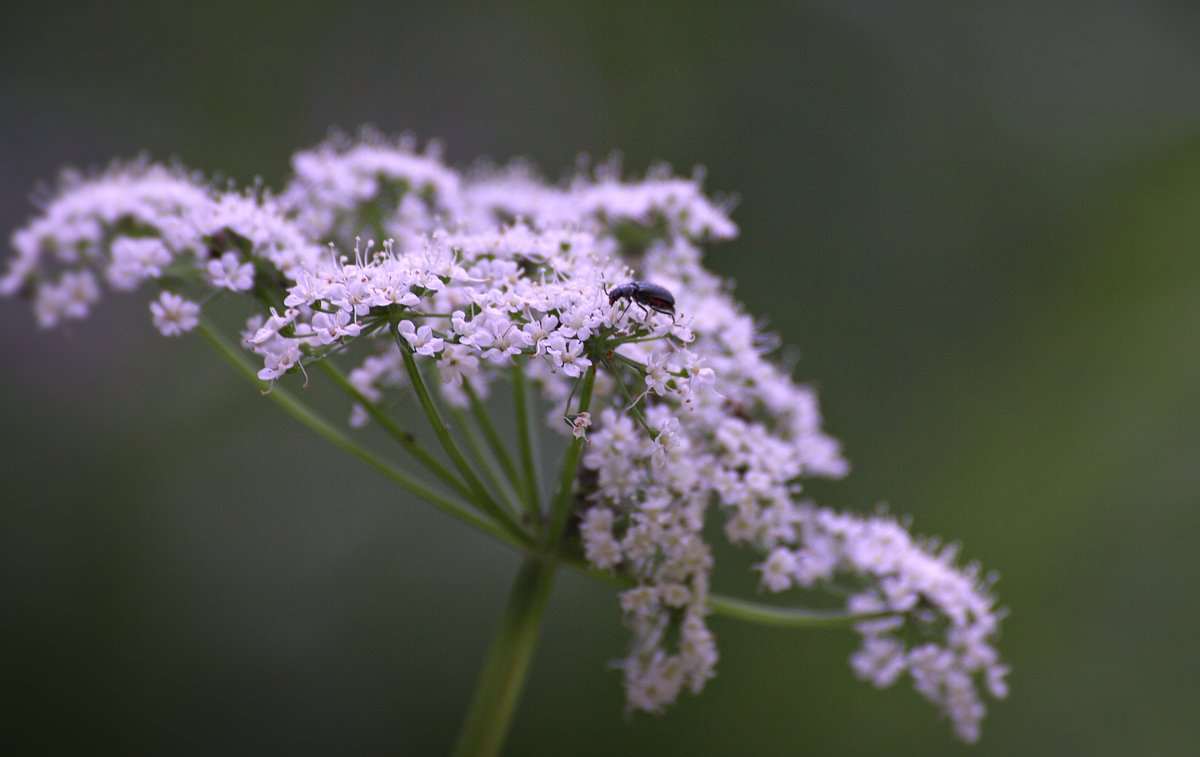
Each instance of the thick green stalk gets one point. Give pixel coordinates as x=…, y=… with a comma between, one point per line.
x=327, y=431
x=525, y=439
x=499, y=687
x=482, y=497
x=570, y=466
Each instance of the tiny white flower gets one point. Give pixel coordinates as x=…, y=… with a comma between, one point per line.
x=600, y=548
x=229, y=272
x=657, y=375
x=173, y=315
x=420, y=339
x=306, y=291
x=280, y=361
x=880, y=661
x=135, y=260
x=675, y=595
x=272, y=326
x=666, y=440
x=539, y=331
x=501, y=339
x=70, y=297
x=567, y=355
x=329, y=328
x=778, y=569
x=641, y=602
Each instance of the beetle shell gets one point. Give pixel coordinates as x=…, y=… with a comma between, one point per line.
x=653, y=296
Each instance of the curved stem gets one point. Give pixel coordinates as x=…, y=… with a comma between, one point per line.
x=754, y=612
x=499, y=448
x=482, y=496
x=790, y=617
x=486, y=464
x=633, y=403
x=327, y=431
x=570, y=466
x=525, y=439
x=499, y=687
x=405, y=438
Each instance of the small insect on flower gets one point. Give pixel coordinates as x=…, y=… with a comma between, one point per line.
x=579, y=426
x=646, y=295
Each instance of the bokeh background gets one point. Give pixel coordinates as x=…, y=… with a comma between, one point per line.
x=980, y=223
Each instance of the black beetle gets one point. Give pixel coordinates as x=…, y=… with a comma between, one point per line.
x=648, y=295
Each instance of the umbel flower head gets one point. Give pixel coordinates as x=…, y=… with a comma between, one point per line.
x=662, y=388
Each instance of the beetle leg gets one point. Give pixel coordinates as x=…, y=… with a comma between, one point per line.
x=623, y=312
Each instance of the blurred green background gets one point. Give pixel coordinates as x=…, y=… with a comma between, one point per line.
x=979, y=223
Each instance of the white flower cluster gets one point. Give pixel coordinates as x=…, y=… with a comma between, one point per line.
x=140, y=222
x=493, y=270
x=943, y=618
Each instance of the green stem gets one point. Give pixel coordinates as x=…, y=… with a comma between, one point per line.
x=753, y=612
x=486, y=467
x=405, y=438
x=484, y=421
x=633, y=408
x=790, y=617
x=482, y=497
x=525, y=439
x=327, y=431
x=499, y=687
x=570, y=466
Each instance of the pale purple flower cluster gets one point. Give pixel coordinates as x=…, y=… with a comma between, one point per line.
x=140, y=222
x=475, y=273
x=944, y=620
